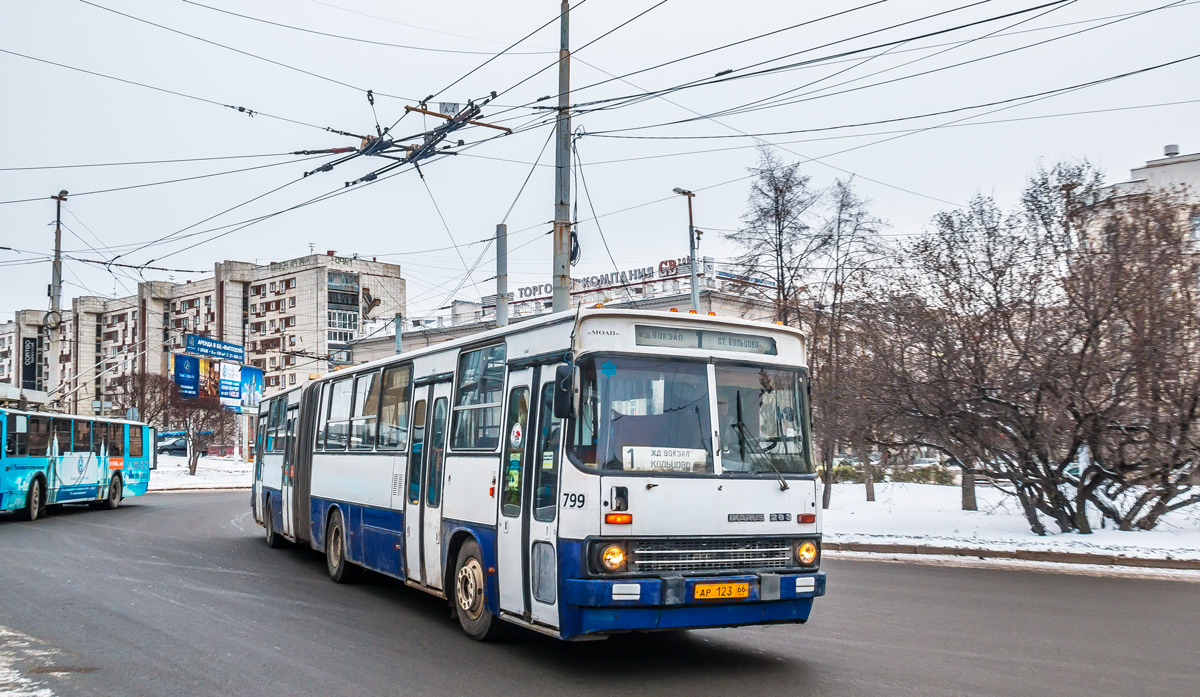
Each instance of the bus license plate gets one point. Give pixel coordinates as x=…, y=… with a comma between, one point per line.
x=721, y=591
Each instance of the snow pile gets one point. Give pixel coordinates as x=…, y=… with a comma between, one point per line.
x=212, y=473
x=932, y=515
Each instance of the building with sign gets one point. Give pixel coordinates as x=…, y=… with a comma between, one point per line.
x=289, y=318
x=662, y=285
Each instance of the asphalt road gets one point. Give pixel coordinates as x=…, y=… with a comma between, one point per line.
x=176, y=594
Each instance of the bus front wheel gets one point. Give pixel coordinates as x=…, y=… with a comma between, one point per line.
x=33, y=501
x=340, y=570
x=114, y=494
x=470, y=597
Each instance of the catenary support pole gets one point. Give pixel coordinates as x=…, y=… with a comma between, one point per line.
x=399, y=320
x=561, y=298
x=54, y=318
x=501, y=275
x=692, y=257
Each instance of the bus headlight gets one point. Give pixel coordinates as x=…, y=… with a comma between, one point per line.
x=612, y=558
x=806, y=553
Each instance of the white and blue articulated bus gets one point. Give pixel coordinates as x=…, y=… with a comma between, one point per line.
x=580, y=474
x=52, y=459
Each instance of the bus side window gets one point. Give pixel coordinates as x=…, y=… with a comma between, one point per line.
x=366, y=409
x=393, y=408
x=135, y=442
x=337, y=432
x=39, y=436
x=62, y=435
x=83, y=437
x=17, y=443
x=99, y=436
x=322, y=417
x=545, y=495
x=116, y=440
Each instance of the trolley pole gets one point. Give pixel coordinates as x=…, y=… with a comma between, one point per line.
x=501, y=275
x=54, y=318
x=561, y=298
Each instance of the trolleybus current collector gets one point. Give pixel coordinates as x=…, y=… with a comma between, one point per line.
x=580, y=474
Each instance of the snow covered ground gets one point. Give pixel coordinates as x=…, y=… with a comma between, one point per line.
x=902, y=514
x=931, y=515
x=213, y=473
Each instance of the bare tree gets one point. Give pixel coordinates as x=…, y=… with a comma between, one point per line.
x=201, y=419
x=1052, y=350
x=151, y=394
x=777, y=236
x=852, y=235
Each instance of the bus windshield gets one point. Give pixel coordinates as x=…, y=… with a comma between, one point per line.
x=654, y=415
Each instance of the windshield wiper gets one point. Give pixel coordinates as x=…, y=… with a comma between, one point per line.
x=756, y=449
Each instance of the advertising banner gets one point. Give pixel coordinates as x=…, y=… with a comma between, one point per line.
x=29, y=360
x=187, y=375
x=230, y=385
x=252, y=387
x=204, y=346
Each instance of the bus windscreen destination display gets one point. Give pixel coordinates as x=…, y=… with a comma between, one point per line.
x=714, y=340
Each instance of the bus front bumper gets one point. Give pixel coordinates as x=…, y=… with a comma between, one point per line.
x=605, y=606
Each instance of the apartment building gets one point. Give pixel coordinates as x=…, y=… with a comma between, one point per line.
x=293, y=318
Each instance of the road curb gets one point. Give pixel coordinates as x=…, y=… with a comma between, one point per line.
x=1017, y=555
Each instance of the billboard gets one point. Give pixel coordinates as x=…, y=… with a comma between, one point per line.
x=29, y=361
x=202, y=345
x=186, y=372
x=236, y=386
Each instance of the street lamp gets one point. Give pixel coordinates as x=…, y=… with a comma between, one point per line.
x=691, y=247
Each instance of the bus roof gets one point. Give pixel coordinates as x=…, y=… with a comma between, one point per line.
x=105, y=419
x=577, y=316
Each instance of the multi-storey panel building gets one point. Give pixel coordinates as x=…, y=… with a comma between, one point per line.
x=293, y=317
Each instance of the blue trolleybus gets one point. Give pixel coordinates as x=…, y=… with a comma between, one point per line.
x=51, y=459
x=581, y=474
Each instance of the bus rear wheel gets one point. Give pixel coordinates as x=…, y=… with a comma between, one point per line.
x=340, y=569
x=33, y=501
x=114, y=494
x=470, y=594
x=274, y=541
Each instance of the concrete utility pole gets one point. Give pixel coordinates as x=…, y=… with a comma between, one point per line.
x=561, y=299
x=53, y=320
x=691, y=248
x=501, y=275
x=399, y=320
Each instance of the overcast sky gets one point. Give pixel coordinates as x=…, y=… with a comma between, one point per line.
x=53, y=115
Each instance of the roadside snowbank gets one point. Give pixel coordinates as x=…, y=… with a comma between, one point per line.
x=212, y=473
x=931, y=515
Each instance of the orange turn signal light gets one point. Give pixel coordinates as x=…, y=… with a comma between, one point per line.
x=806, y=518
x=673, y=309
x=618, y=518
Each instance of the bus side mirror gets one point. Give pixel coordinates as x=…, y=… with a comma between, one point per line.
x=564, y=391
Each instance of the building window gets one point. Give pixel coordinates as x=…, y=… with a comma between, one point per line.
x=292, y=301
x=254, y=307
x=291, y=378
x=272, y=325
x=272, y=287
x=340, y=319
x=291, y=341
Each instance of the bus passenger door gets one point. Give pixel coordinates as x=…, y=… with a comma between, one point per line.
x=289, y=471
x=510, y=525
x=541, y=515
x=435, y=475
